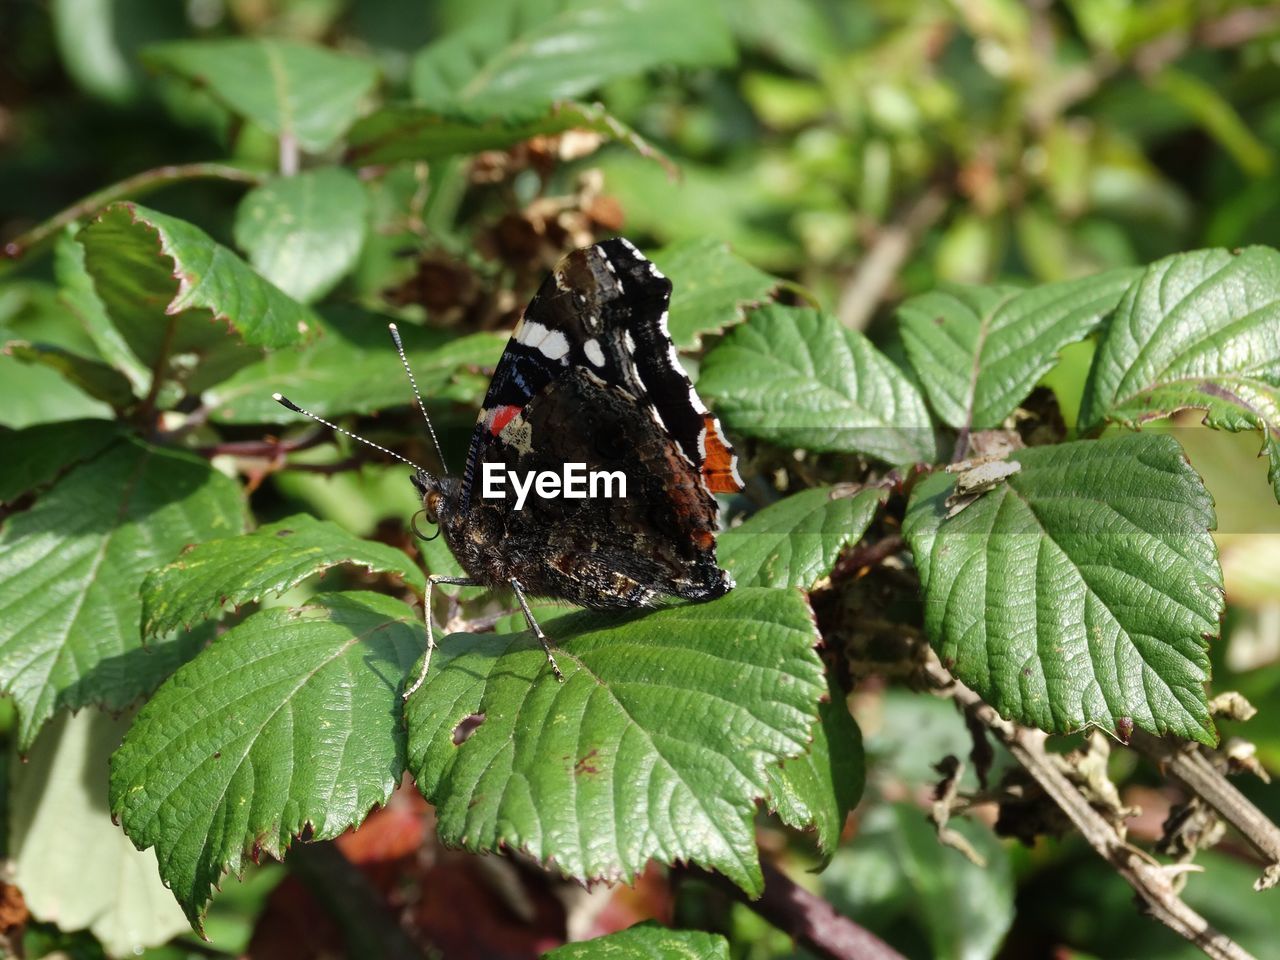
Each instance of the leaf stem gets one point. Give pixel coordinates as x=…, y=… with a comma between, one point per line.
x=139, y=184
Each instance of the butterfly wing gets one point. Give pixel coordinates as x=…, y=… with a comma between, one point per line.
x=590, y=376
x=604, y=309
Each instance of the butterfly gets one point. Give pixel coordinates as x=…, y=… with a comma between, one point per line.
x=591, y=380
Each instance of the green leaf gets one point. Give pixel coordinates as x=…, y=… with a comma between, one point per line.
x=304, y=233
x=406, y=131
x=1082, y=591
x=74, y=866
x=289, y=89
x=352, y=368
x=1197, y=330
x=70, y=568
x=97, y=379
x=290, y=723
x=898, y=880
x=646, y=941
x=655, y=746
x=519, y=59
x=78, y=294
x=34, y=456
x=164, y=283
x=31, y=395
x=795, y=542
x=712, y=287
x=797, y=378
x=244, y=569
x=818, y=788
x=980, y=350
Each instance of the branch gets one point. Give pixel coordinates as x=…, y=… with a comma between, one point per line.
x=808, y=918
x=1187, y=764
x=1151, y=881
x=137, y=185
x=889, y=251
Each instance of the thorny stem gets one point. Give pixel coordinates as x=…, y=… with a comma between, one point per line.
x=1187, y=764
x=1151, y=881
x=137, y=185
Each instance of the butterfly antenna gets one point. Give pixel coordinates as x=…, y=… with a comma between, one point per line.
x=395, y=335
x=289, y=404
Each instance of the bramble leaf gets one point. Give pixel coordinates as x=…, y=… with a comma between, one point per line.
x=980, y=350
x=36, y=455
x=406, y=131
x=171, y=292
x=712, y=286
x=1082, y=590
x=646, y=941
x=287, y=88
x=797, y=378
x=244, y=569
x=304, y=233
x=71, y=566
x=514, y=62
x=818, y=788
x=352, y=368
x=1198, y=330
x=795, y=542
x=97, y=379
x=75, y=867
x=655, y=746
x=290, y=724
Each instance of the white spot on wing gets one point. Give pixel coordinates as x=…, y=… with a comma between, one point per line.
x=555, y=345
x=628, y=341
x=530, y=333
x=592, y=349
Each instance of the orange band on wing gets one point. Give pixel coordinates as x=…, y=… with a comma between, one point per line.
x=719, y=464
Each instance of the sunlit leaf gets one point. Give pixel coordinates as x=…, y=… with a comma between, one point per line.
x=289, y=724
x=656, y=746
x=1081, y=591
x=243, y=569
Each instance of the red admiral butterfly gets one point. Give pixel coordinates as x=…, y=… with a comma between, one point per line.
x=590, y=377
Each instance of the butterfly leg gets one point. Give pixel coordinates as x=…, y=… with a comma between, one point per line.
x=432, y=580
x=537, y=630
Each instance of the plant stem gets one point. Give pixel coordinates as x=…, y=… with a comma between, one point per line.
x=1151, y=881
x=138, y=185
x=884, y=261
x=811, y=920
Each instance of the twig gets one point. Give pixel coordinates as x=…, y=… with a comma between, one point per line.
x=135, y=186
x=1187, y=764
x=1151, y=881
x=268, y=449
x=811, y=920
x=889, y=251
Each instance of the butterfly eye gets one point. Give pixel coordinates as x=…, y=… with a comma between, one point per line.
x=432, y=506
